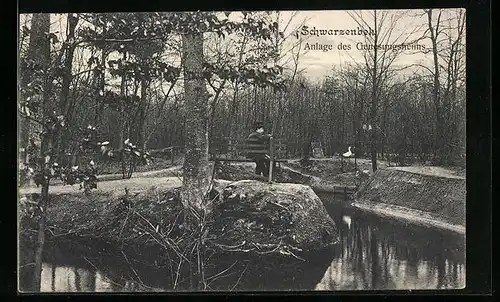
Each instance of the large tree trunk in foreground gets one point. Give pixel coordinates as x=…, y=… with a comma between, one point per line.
x=41, y=56
x=196, y=174
x=38, y=52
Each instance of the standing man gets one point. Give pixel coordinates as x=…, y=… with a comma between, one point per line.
x=257, y=140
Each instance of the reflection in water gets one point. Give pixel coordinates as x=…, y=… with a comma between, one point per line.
x=378, y=254
x=102, y=284
x=347, y=220
x=373, y=253
x=71, y=279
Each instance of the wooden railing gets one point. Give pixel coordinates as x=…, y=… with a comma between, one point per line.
x=237, y=151
x=172, y=150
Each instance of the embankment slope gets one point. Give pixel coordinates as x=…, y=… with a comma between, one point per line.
x=431, y=196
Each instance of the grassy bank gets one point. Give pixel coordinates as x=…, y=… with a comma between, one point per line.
x=442, y=196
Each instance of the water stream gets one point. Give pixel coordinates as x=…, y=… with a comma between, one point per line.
x=373, y=253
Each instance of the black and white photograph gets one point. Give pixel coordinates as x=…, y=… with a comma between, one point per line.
x=241, y=151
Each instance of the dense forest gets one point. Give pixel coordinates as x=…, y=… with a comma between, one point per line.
x=122, y=73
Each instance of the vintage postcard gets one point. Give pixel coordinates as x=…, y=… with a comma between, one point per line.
x=242, y=151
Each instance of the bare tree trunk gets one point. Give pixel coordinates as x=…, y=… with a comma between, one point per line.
x=378, y=62
x=65, y=104
x=68, y=63
x=24, y=123
x=142, y=114
x=41, y=55
x=234, y=104
x=123, y=95
x=310, y=126
x=255, y=111
x=116, y=124
x=196, y=174
x=434, y=32
x=36, y=52
x=102, y=83
x=40, y=238
x=374, y=101
x=212, y=124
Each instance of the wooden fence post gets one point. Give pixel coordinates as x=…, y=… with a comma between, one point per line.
x=271, y=160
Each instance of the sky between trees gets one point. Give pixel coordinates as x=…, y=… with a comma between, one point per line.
x=316, y=64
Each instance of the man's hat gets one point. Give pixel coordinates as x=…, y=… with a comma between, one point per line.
x=258, y=125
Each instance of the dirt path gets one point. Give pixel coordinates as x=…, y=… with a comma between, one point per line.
x=432, y=171
x=170, y=177
x=113, y=186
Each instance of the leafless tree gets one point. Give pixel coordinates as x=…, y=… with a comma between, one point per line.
x=378, y=59
x=448, y=73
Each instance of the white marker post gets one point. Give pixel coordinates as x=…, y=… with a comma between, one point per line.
x=271, y=160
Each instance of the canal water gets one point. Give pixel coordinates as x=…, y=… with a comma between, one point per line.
x=374, y=253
